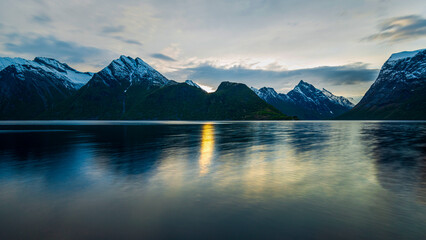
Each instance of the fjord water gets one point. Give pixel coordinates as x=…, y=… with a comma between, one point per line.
x=213, y=180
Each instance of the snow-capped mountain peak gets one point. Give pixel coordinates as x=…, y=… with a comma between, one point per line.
x=402, y=68
x=136, y=64
x=266, y=93
x=126, y=70
x=57, y=69
x=191, y=83
x=270, y=91
x=401, y=74
x=304, y=86
x=306, y=101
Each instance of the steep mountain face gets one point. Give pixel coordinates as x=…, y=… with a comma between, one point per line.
x=27, y=88
x=306, y=102
x=318, y=104
x=131, y=89
x=398, y=92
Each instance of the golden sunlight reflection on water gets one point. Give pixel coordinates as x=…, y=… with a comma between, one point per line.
x=207, y=148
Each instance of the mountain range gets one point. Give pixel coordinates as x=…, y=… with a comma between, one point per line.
x=128, y=88
x=306, y=102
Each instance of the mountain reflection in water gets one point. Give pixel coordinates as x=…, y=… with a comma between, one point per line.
x=213, y=180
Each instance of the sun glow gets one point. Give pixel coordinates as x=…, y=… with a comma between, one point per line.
x=206, y=88
x=207, y=148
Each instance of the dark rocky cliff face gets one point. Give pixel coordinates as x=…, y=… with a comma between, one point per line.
x=26, y=91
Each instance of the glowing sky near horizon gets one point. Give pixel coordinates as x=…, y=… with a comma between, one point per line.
x=337, y=45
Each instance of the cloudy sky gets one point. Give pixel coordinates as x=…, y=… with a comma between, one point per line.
x=333, y=44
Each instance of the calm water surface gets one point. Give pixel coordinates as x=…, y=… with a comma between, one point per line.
x=213, y=180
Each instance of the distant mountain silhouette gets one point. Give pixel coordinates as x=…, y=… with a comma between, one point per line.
x=306, y=102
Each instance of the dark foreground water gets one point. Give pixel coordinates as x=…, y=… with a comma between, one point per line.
x=213, y=180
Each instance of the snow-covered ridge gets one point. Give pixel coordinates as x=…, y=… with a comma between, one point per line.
x=313, y=94
x=191, y=83
x=255, y=90
x=7, y=61
x=60, y=70
x=405, y=54
x=338, y=99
